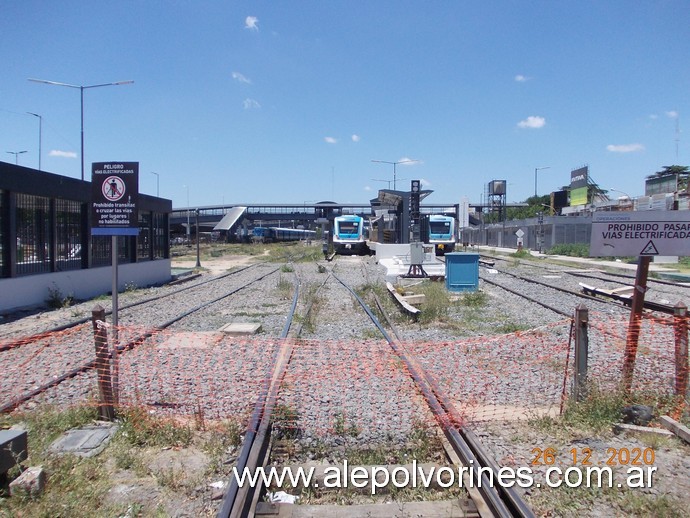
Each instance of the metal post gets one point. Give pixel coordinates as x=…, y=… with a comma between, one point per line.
x=105, y=390
x=635, y=323
x=581, y=352
x=680, y=327
x=114, y=315
x=198, y=262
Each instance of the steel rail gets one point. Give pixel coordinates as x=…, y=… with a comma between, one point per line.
x=531, y=299
x=238, y=501
x=605, y=272
x=39, y=336
x=505, y=502
x=8, y=407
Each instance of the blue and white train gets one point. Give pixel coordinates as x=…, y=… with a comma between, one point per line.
x=440, y=231
x=278, y=234
x=349, y=236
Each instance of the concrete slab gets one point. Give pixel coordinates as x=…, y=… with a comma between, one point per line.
x=240, y=329
x=87, y=441
x=399, y=265
x=190, y=340
x=13, y=448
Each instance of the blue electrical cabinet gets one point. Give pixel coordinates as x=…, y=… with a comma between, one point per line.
x=462, y=271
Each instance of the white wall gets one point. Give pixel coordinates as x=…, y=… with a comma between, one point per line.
x=33, y=290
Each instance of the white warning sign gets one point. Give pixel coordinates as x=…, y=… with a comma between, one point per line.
x=636, y=233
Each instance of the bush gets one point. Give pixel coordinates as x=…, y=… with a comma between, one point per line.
x=572, y=250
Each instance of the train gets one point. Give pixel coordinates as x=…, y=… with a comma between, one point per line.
x=440, y=231
x=278, y=234
x=349, y=235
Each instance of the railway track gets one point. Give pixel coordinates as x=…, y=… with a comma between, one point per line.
x=465, y=447
x=555, y=279
x=45, y=361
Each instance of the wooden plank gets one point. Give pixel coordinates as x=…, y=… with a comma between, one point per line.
x=483, y=510
x=321, y=471
x=632, y=428
x=674, y=426
x=399, y=298
x=435, y=509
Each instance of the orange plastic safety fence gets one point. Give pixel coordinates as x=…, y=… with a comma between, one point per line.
x=352, y=389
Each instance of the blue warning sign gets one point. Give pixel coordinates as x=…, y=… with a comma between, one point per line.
x=114, y=198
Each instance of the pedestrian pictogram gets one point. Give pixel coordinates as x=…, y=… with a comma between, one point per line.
x=114, y=198
x=113, y=188
x=649, y=249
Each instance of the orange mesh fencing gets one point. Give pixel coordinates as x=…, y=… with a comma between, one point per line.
x=353, y=388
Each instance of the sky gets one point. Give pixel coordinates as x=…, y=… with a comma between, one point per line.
x=292, y=101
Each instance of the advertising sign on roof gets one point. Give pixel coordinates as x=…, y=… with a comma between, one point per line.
x=114, y=197
x=640, y=233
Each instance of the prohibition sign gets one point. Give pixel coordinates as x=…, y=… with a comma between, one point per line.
x=113, y=188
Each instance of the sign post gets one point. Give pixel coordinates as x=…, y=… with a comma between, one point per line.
x=114, y=212
x=643, y=234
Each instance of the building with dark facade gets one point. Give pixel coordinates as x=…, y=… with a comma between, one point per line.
x=46, y=243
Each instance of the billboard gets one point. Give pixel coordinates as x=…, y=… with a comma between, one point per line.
x=578, y=178
x=661, y=185
x=578, y=186
x=114, y=198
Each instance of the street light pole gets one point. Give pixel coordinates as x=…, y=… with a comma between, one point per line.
x=536, y=169
x=158, y=177
x=406, y=161
x=81, y=90
x=16, y=156
x=188, y=231
x=622, y=192
x=40, y=139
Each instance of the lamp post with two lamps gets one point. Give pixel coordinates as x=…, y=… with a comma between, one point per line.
x=40, y=139
x=16, y=156
x=385, y=181
x=406, y=161
x=158, y=177
x=81, y=89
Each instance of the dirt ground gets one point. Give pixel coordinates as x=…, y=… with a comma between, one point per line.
x=216, y=265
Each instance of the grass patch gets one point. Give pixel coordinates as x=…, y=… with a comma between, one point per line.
x=284, y=287
x=140, y=429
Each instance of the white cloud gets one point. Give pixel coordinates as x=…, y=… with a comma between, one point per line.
x=251, y=104
x=521, y=79
x=367, y=188
x=654, y=116
x=425, y=183
x=251, y=23
x=672, y=114
x=356, y=138
x=62, y=154
x=330, y=140
x=533, y=121
x=241, y=78
x=409, y=161
x=625, y=148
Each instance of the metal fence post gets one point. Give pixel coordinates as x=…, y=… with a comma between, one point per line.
x=105, y=389
x=581, y=352
x=680, y=328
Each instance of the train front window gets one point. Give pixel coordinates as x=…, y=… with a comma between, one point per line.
x=348, y=227
x=439, y=227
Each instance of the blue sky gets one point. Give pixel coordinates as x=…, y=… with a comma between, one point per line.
x=289, y=102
